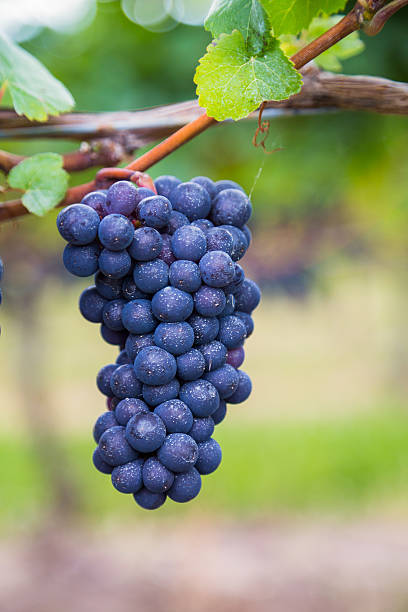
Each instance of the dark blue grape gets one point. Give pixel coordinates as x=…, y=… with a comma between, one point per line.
x=115, y=264
x=239, y=277
x=155, y=211
x=201, y=397
x=176, y=416
x=135, y=343
x=112, y=314
x=121, y=198
x=186, y=486
x=217, y=269
x=247, y=321
x=231, y=207
x=127, y=478
x=236, y=356
x=148, y=500
x=232, y=331
x=219, y=415
x=219, y=239
x=81, y=260
x=109, y=288
x=103, y=422
x=191, y=365
x=124, y=382
x=130, y=291
x=189, y=242
x=205, y=328
x=185, y=275
x=137, y=317
x=156, y=477
x=114, y=449
x=104, y=377
x=239, y=244
x=155, y=366
x=100, y=464
x=113, y=337
x=243, y=390
x=116, y=232
x=91, y=305
x=78, y=224
x=129, y=407
x=226, y=184
x=176, y=338
x=97, y=201
x=248, y=296
x=205, y=182
x=209, y=301
x=166, y=184
x=172, y=305
x=123, y=358
x=192, y=200
x=203, y=224
x=142, y=193
x=215, y=354
x=157, y=394
x=225, y=379
x=146, y=245
x=229, y=306
x=151, y=276
x=166, y=253
x=202, y=428
x=178, y=452
x=209, y=456
x=177, y=219
x=145, y=432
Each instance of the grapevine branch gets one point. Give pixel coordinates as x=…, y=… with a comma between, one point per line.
x=360, y=16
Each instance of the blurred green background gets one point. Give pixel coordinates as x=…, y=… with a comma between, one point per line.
x=325, y=433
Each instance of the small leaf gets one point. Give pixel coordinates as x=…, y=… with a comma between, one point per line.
x=43, y=179
x=231, y=83
x=292, y=16
x=247, y=16
x=34, y=91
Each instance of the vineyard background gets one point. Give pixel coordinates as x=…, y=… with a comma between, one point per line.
x=308, y=511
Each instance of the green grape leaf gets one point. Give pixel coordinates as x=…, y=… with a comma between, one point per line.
x=247, y=16
x=292, y=16
x=43, y=179
x=34, y=91
x=231, y=83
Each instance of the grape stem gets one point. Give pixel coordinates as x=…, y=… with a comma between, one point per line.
x=359, y=17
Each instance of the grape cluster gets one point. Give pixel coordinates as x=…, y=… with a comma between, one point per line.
x=169, y=292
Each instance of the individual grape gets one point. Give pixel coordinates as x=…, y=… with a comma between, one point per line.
x=137, y=317
x=78, y=224
x=177, y=219
x=203, y=224
x=147, y=244
x=112, y=314
x=114, y=449
x=157, y=394
x=219, y=239
x=155, y=366
x=116, y=232
x=239, y=277
x=214, y=354
x=135, y=343
x=148, y=500
x=190, y=365
x=91, y=305
x=166, y=184
x=229, y=306
x=219, y=415
x=97, y=201
x=155, y=211
x=156, y=477
x=209, y=301
x=107, y=287
x=186, y=486
x=239, y=242
x=178, y=452
x=176, y=338
x=104, y=377
x=189, y=242
x=232, y=331
x=243, y=390
x=205, y=328
x=127, y=478
x=121, y=198
x=123, y=358
x=145, y=432
x=202, y=428
x=81, y=260
x=236, y=356
x=201, y=397
x=217, y=269
x=151, y=276
x=185, y=275
x=166, y=253
x=226, y=184
x=100, y=464
x=124, y=382
x=205, y=182
x=176, y=416
x=130, y=291
x=142, y=193
x=231, y=207
x=225, y=379
x=103, y=422
x=248, y=296
x=247, y=321
x=192, y=200
x=209, y=456
x=115, y=264
x=113, y=337
x=129, y=407
x=172, y=305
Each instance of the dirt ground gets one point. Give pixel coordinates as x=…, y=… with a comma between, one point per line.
x=296, y=566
